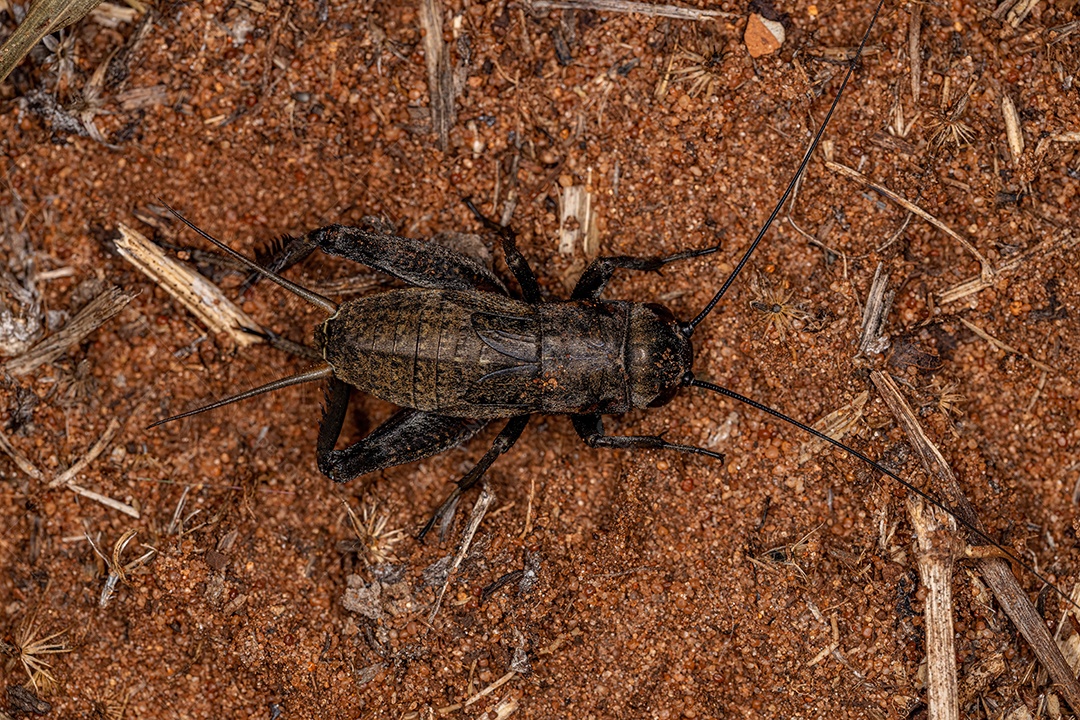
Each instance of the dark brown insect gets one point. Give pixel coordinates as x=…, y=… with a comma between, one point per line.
x=457, y=350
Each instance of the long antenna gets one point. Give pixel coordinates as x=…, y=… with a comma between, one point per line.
x=299, y=378
x=312, y=297
x=939, y=504
x=688, y=328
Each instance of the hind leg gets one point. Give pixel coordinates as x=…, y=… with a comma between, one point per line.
x=506, y=439
x=407, y=436
x=418, y=262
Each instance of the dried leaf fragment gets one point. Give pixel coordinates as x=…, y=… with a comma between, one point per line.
x=44, y=17
x=99, y=311
x=577, y=221
x=21, y=315
x=836, y=425
x=763, y=36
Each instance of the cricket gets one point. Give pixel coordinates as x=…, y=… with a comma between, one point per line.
x=530, y=359
x=459, y=349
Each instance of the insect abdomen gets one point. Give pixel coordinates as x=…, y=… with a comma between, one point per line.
x=421, y=349
x=480, y=355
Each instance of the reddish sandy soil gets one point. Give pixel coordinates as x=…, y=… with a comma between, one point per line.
x=657, y=585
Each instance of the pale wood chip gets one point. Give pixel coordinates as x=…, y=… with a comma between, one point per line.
x=204, y=299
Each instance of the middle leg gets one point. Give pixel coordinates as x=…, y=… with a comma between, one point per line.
x=506, y=439
x=515, y=260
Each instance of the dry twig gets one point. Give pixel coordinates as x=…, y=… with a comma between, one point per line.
x=995, y=571
x=1003, y=9
x=935, y=551
x=20, y=460
x=104, y=500
x=1013, y=133
x=65, y=478
x=1019, y=11
x=1064, y=241
x=91, y=455
x=479, y=510
x=915, y=50
x=987, y=270
x=628, y=6
x=491, y=688
x=872, y=339
x=1004, y=347
x=179, y=524
x=99, y=311
x=204, y=299
x=440, y=75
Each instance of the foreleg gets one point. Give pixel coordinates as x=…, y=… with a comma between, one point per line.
x=591, y=430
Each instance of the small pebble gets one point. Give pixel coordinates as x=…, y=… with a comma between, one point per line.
x=763, y=36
